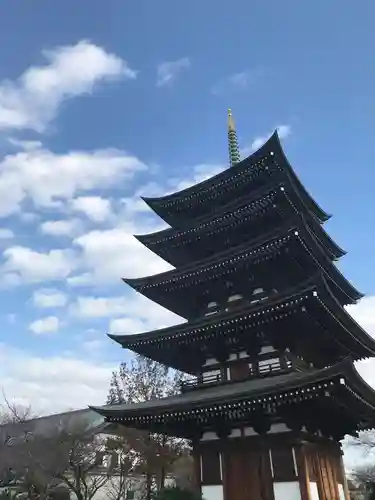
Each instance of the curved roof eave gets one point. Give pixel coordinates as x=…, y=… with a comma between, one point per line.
x=350, y=291
x=349, y=323
x=272, y=144
x=228, y=207
x=187, y=328
x=138, y=283
x=360, y=383
x=247, y=388
x=324, y=215
x=211, y=180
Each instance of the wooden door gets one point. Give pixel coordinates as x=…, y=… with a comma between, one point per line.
x=243, y=475
x=239, y=370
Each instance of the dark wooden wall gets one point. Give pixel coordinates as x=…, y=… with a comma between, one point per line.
x=243, y=466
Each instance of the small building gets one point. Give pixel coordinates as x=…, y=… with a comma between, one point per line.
x=267, y=341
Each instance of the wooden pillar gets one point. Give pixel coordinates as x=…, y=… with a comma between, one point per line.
x=323, y=486
x=225, y=465
x=333, y=487
x=303, y=472
x=319, y=480
x=330, y=457
x=330, y=472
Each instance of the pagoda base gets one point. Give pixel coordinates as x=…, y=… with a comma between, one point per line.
x=277, y=466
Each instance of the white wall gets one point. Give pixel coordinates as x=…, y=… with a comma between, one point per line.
x=212, y=492
x=341, y=492
x=314, y=494
x=287, y=491
x=135, y=483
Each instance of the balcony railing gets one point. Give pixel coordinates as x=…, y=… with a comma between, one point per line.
x=205, y=381
x=214, y=379
x=264, y=370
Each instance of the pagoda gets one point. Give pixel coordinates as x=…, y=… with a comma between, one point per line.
x=268, y=343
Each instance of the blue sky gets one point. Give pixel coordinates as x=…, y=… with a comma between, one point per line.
x=101, y=102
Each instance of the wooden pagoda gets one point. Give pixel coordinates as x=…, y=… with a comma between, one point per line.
x=267, y=341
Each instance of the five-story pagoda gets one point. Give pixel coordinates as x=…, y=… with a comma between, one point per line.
x=267, y=341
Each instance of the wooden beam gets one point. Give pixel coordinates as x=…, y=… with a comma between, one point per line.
x=303, y=472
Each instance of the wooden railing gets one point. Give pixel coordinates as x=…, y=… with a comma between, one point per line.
x=210, y=380
x=196, y=382
x=264, y=370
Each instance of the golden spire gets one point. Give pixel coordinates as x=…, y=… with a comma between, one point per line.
x=234, y=151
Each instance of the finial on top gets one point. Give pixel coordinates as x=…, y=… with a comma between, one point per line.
x=234, y=151
x=231, y=125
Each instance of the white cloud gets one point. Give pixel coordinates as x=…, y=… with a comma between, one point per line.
x=98, y=307
x=143, y=317
x=33, y=100
x=6, y=234
x=24, y=144
x=283, y=130
x=49, y=324
x=94, y=346
x=61, y=227
x=126, y=326
x=28, y=217
x=24, y=265
x=131, y=314
x=200, y=173
x=49, y=297
x=108, y=255
x=364, y=314
x=48, y=179
x=238, y=81
x=168, y=71
x=94, y=207
x=53, y=383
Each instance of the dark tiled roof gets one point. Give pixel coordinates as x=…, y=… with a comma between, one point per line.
x=49, y=424
x=227, y=392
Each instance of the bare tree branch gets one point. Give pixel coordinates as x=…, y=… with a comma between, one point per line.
x=143, y=380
